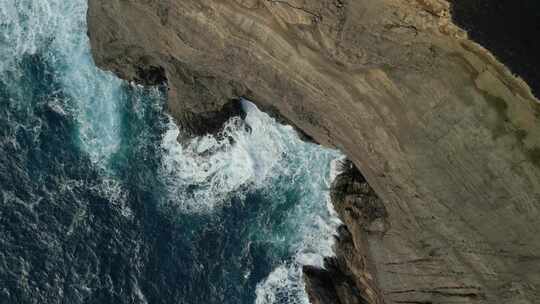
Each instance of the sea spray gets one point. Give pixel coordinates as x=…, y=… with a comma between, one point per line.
x=95, y=185
x=316, y=229
x=238, y=159
x=270, y=158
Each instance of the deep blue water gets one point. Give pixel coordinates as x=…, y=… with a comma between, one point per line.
x=100, y=204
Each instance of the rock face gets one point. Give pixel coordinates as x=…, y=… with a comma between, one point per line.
x=349, y=277
x=446, y=136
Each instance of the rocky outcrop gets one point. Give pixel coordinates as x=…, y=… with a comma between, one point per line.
x=445, y=134
x=350, y=277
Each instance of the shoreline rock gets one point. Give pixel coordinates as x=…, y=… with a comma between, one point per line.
x=509, y=29
x=445, y=134
x=349, y=277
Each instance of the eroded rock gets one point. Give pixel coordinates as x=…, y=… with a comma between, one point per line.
x=445, y=134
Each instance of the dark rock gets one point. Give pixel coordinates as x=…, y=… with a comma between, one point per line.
x=349, y=277
x=320, y=286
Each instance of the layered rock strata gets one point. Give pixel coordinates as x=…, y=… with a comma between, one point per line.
x=445, y=134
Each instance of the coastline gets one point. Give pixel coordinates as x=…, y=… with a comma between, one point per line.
x=508, y=29
x=349, y=277
x=443, y=132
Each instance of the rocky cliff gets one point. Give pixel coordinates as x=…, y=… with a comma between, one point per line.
x=444, y=133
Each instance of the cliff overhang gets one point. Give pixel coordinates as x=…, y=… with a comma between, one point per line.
x=445, y=134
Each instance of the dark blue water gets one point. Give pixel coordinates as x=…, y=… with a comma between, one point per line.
x=100, y=204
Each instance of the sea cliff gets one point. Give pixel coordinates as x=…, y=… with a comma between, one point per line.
x=444, y=133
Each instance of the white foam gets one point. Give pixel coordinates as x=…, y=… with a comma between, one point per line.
x=26, y=27
x=203, y=173
x=197, y=181
x=272, y=159
x=56, y=29
x=284, y=285
x=315, y=230
x=96, y=97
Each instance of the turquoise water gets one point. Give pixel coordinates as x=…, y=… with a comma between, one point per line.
x=100, y=204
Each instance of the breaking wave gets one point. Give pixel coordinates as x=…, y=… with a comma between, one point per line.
x=204, y=173
x=79, y=144
x=55, y=30
x=245, y=155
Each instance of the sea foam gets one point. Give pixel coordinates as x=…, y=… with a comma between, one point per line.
x=204, y=173
x=201, y=175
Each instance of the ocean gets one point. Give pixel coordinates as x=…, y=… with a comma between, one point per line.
x=99, y=203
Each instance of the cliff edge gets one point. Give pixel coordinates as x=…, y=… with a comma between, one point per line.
x=446, y=135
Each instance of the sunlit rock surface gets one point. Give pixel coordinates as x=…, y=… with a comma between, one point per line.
x=443, y=132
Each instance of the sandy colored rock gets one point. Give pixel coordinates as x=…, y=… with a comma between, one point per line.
x=446, y=136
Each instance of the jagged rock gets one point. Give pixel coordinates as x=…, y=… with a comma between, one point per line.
x=446, y=136
x=352, y=271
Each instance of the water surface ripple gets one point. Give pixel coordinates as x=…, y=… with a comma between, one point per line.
x=100, y=204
